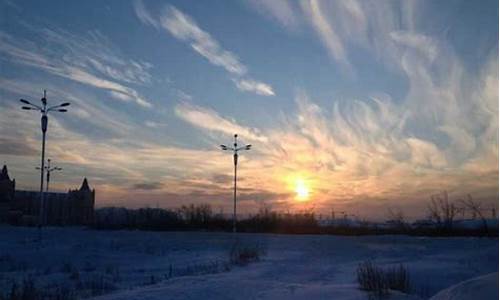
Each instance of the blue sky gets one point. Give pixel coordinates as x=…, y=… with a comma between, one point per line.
x=370, y=104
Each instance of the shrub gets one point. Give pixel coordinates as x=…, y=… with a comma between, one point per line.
x=113, y=271
x=398, y=279
x=26, y=290
x=371, y=278
x=379, y=281
x=244, y=254
x=97, y=285
x=210, y=267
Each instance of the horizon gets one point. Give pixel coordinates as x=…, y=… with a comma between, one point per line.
x=349, y=106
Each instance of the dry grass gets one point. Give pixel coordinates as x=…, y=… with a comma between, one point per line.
x=379, y=281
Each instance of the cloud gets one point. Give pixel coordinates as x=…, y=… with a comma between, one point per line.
x=94, y=52
x=329, y=37
x=210, y=120
x=88, y=113
x=185, y=28
x=144, y=15
x=425, y=44
x=359, y=151
x=359, y=154
x=153, y=124
x=425, y=153
x=148, y=186
x=120, y=96
x=117, y=90
x=378, y=147
x=250, y=85
x=79, y=59
x=222, y=178
x=367, y=149
x=382, y=29
x=16, y=146
x=279, y=10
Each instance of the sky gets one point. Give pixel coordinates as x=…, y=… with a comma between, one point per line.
x=353, y=106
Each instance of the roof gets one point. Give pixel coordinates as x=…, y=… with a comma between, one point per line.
x=4, y=175
x=85, y=185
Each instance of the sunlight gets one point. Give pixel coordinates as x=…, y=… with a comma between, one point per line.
x=301, y=190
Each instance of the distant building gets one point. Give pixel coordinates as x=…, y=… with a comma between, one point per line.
x=76, y=207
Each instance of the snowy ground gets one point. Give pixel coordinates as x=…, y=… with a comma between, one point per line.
x=482, y=287
x=194, y=265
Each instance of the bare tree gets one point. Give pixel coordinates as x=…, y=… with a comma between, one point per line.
x=475, y=208
x=441, y=210
x=397, y=218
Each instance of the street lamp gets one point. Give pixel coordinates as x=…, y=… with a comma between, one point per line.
x=44, y=110
x=235, y=150
x=48, y=170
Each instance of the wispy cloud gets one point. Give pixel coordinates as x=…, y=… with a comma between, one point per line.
x=153, y=124
x=279, y=10
x=420, y=42
x=144, y=15
x=95, y=52
x=82, y=60
x=384, y=30
x=118, y=91
x=362, y=153
x=185, y=28
x=324, y=29
x=17, y=146
x=210, y=120
x=154, y=185
x=379, y=147
x=250, y=85
x=99, y=119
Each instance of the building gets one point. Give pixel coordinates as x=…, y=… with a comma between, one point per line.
x=76, y=207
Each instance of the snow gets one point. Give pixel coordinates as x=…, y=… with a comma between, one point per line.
x=482, y=287
x=194, y=265
x=474, y=224
x=423, y=223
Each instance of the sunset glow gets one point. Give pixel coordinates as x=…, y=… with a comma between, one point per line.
x=348, y=105
x=302, y=190
x=249, y=149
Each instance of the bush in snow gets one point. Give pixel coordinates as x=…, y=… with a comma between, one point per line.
x=379, y=281
x=371, y=278
x=245, y=254
x=27, y=290
x=398, y=279
x=96, y=285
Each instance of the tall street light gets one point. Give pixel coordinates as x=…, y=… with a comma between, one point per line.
x=44, y=110
x=235, y=150
x=48, y=170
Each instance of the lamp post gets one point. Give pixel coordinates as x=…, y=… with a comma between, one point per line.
x=44, y=110
x=235, y=150
x=48, y=170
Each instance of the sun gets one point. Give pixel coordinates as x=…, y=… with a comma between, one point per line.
x=301, y=190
